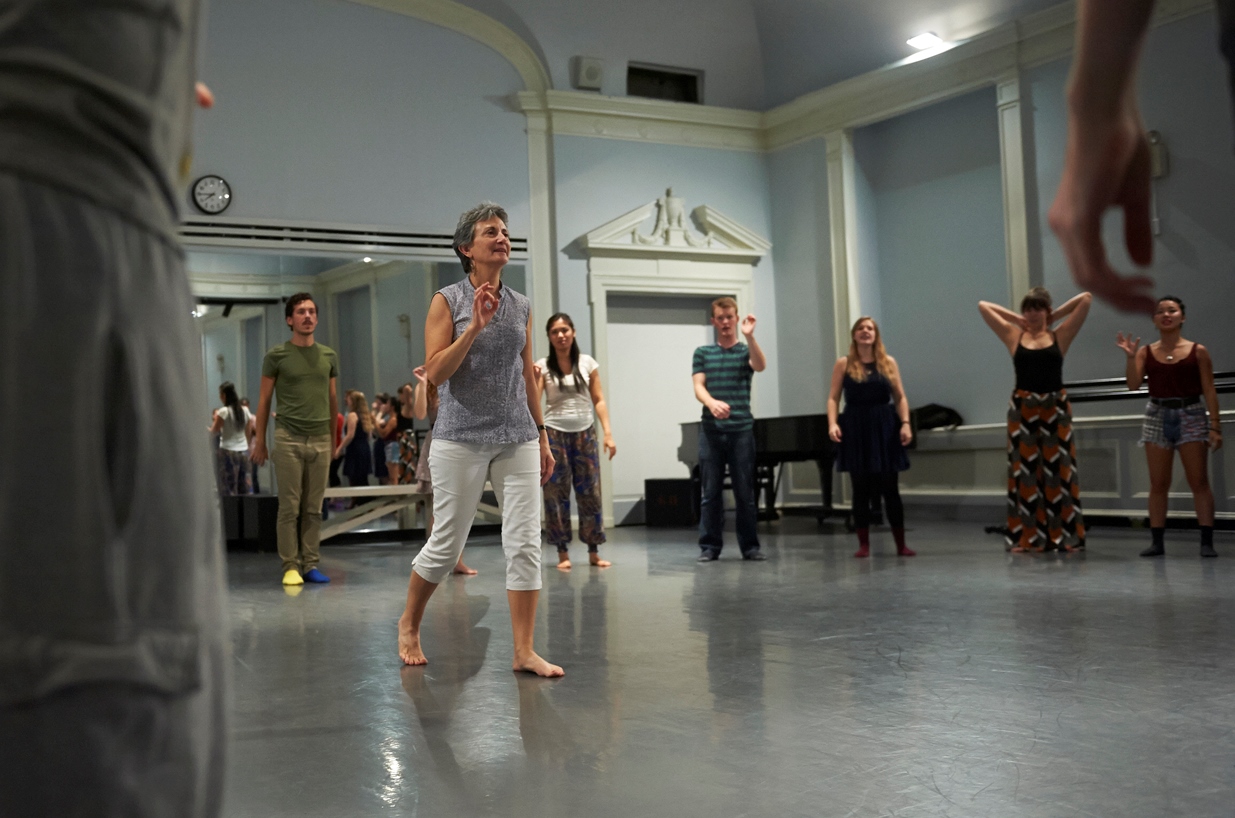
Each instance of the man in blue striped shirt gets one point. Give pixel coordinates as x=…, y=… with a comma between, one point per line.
x=722, y=373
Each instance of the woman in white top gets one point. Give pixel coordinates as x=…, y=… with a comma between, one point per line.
x=571, y=383
x=235, y=426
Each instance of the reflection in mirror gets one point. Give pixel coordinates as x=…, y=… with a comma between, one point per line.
x=371, y=311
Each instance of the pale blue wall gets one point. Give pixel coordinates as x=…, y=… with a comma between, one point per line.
x=355, y=341
x=254, y=337
x=332, y=111
x=1184, y=95
x=220, y=339
x=716, y=36
x=600, y=179
x=935, y=181
x=401, y=345
x=867, y=158
x=801, y=237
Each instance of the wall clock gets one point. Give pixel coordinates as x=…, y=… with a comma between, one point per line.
x=212, y=194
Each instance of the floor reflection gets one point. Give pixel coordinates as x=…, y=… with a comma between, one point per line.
x=458, y=648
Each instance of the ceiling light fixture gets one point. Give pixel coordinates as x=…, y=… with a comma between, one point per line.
x=925, y=40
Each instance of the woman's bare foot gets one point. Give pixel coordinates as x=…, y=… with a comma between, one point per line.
x=409, y=643
x=460, y=568
x=595, y=559
x=563, y=561
x=534, y=664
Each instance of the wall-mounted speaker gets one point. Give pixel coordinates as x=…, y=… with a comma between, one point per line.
x=588, y=74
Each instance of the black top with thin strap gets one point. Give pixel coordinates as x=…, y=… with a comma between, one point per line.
x=1039, y=370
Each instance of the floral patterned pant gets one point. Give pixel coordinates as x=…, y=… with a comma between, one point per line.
x=577, y=462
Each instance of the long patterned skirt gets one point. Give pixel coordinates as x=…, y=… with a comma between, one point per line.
x=1044, y=493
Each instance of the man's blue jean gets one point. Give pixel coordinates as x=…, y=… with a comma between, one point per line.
x=737, y=450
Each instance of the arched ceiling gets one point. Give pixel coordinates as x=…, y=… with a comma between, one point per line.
x=756, y=53
x=811, y=44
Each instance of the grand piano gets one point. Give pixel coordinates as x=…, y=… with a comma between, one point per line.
x=777, y=441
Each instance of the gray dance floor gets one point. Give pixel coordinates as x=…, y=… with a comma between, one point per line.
x=962, y=682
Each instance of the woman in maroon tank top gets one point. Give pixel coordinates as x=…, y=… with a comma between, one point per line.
x=1181, y=390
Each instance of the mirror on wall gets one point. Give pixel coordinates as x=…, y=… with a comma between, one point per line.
x=371, y=312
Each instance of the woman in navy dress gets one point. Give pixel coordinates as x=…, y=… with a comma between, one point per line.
x=872, y=432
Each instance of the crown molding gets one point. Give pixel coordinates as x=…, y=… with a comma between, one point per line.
x=882, y=94
x=578, y=113
x=903, y=87
x=480, y=27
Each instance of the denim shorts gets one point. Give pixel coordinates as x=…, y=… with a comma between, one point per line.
x=1168, y=428
x=392, y=451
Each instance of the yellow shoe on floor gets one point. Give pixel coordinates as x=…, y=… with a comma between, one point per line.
x=292, y=577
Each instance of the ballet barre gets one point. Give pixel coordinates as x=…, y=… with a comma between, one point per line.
x=374, y=502
x=378, y=501
x=1099, y=389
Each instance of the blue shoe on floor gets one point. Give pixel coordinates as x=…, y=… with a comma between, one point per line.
x=314, y=575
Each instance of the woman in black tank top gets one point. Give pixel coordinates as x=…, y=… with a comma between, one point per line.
x=1044, y=504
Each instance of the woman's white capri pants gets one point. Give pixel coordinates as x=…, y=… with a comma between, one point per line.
x=459, y=471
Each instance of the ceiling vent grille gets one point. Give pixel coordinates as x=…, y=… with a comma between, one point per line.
x=315, y=238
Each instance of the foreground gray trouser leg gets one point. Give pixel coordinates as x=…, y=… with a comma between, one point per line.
x=112, y=639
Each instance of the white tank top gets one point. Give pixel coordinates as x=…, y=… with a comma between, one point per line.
x=570, y=406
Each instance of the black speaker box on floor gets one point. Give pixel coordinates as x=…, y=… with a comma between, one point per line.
x=232, y=508
x=668, y=503
x=260, y=518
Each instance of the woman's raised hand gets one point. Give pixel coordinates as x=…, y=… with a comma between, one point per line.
x=1126, y=343
x=421, y=374
x=484, y=305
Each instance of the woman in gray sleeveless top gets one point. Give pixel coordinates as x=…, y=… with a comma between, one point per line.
x=478, y=351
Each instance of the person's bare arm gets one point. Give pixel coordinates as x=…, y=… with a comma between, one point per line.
x=838, y=381
x=1134, y=370
x=758, y=361
x=420, y=401
x=443, y=352
x=250, y=428
x=1206, y=364
x=902, y=403
x=216, y=423
x=349, y=432
x=602, y=412
x=533, y=405
x=1003, y=322
x=1106, y=161
x=334, y=397
x=260, y=453
x=1074, y=311
x=718, y=408
x=387, y=424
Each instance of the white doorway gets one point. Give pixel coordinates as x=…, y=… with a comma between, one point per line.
x=648, y=388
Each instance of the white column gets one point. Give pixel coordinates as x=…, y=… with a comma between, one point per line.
x=843, y=214
x=542, y=249
x=598, y=298
x=1015, y=201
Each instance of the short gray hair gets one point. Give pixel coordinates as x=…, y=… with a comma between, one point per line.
x=466, y=229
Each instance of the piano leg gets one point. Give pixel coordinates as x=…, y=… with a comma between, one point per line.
x=825, y=487
x=765, y=479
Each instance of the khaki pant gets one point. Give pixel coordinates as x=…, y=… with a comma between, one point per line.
x=301, y=464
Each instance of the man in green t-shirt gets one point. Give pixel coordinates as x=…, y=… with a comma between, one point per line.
x=305, y=374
